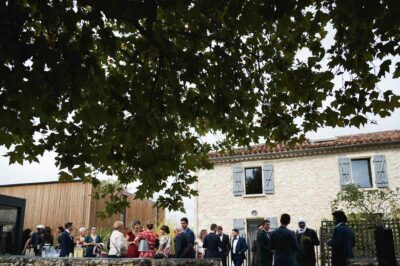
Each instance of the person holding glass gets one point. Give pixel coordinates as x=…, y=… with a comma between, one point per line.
x=133, y=249
x=93, y=243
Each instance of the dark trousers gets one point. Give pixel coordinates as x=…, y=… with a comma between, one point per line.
x=237, y=260
x=223, y=260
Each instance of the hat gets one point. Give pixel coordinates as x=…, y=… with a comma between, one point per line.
x=301, y=220
x=40, y=226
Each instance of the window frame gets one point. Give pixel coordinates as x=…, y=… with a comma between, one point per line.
x=371, y=173
x=262, y=181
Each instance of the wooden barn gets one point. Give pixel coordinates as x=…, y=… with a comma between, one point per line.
x=54, y=203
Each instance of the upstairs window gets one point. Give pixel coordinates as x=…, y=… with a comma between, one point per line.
x=253, y=180
x=361, y=172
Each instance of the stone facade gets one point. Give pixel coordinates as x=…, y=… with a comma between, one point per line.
x=37, y=261
x=303, y=187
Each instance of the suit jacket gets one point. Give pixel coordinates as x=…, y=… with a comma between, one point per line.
x=67, y=244
x=189, y=235
x=342, y=243
x=241, y=248
x=225, y=245
x=284, y=242
x=307, y=250
x=181, y=246
x=211, y=243
x=264, y=254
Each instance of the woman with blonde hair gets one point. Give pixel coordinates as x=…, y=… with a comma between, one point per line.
x=80, y=240
x=199, y=244
x=118, y=245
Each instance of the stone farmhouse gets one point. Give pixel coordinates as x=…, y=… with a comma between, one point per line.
x=260, y=182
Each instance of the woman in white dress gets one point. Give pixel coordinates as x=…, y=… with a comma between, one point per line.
x=200, y=251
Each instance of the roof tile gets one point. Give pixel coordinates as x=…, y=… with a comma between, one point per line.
x=358, y=139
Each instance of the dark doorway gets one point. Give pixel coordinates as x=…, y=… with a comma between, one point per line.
x=12, y=212
x=252, y=228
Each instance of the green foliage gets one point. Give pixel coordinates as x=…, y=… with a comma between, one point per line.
x=104, y=233
x=372, y=204
x=128, y=88
x=112, y=191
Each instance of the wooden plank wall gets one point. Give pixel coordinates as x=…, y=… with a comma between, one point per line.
x=53, y=204
x=141, y=210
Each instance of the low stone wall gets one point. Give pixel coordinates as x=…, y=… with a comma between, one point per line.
x=366, y=262
x=38, y=261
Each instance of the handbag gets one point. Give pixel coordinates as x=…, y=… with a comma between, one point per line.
x=143, y=245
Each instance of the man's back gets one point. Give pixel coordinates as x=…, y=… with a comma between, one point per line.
x=342, y=243
x=283, y=241
x=67, y=244
x=211, y=244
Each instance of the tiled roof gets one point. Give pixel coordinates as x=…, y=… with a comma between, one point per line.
x=368, y=139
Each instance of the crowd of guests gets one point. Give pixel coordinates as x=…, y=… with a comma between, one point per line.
x=283, y=247
x=279, y=247
x=135, y=242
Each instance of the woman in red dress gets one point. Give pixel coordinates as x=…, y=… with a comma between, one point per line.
x=133, y=249
x=151, y=237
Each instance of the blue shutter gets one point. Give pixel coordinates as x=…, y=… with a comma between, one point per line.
x=273, y=222
x=239, y=224
x=238, y=178
x=345, y=171
x=268, y=170
x=381, y=177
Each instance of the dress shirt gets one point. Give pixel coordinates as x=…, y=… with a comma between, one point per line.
x=234, y=244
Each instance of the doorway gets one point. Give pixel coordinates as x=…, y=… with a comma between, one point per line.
x=12, y=212
x=252, y=229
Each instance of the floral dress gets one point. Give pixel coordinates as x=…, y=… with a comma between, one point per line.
x=151, y=238
x=165, y=245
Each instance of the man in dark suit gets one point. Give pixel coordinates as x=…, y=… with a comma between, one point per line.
x=307, y=239
x=343, y=240
x=211, y=244
x=283, y=242
x=180, y=244
x=189, y=235
x=264, y=254
x=225, y=245
x=36, y=239
x=239, y=248
x=67, y=241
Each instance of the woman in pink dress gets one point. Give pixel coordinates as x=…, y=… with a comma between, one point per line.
x=133, y=251
x=151, y=237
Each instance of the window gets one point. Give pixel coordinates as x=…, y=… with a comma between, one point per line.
x=253, y=179
x=361, y=172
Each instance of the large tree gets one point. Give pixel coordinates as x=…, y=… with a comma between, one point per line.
x=129, y=87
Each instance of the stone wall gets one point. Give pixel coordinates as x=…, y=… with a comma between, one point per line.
x=37, y=261
x=304, y=187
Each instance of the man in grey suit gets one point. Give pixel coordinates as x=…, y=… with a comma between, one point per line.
x=283, y=242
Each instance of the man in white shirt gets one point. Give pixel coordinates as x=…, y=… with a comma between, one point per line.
x=239, y=248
